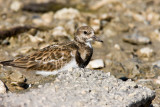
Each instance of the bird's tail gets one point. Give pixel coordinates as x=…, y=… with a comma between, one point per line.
x=6, y=63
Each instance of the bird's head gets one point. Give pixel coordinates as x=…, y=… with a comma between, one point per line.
x=85, y=34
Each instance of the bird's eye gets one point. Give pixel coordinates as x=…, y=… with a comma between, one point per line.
x=85, y=32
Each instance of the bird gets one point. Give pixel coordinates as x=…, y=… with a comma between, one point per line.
x=60, y=56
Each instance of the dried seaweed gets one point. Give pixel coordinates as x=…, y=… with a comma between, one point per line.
x=20, y=29
x=44, y=7
x=14, y=31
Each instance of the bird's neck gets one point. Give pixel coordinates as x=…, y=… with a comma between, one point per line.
x=84, y=54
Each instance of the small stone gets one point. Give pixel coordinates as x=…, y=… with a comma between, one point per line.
x=16, y=6
x=95, y=24
x=47, y=18
x=145, y=52
x=38, y=21
x=35, y=39
x=97, y=63
x=25, y=49
x=2, y=88
x=156, y=34
x=157, y=63
x=17, y=76
x=71, y=29
x=136, y=39
x=138, y=17
x=40, y=86
x=157, y=81
x=109, y=32
x=67, y=13
x=22, y=19
x=59, y=31
x=116, y=46
x=108, y=62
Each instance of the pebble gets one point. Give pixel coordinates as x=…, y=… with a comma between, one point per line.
x=109, y=32
x=95, y=24
x=17, y=76
x=2, y=88
x=145, y=52
x=95, y=64
x=16, y=6
x=38, y=21
x=47, y=18
x=136, y=39
x=116, y=46
x=35, y=39
x=138, y=17
x=25, y=50
x=71, y=29
x=157, y=63
x=59, y=31
x=156, y=34
x=67, y=14
x=157, y=81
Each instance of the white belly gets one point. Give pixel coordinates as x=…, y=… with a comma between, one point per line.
x=71, y=64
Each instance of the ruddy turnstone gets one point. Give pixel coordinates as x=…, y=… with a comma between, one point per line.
x=58, y=57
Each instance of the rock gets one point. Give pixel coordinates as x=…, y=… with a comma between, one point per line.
x=16, y=6
x=145, y=82
x=116, y=46
x=100, y=3
x=109, y=32
x=67, y=14
x=38, y=21
x=24, y=50
x=157, y=63
x=97, y=63
x=59, y=31
x=17, y=76
x=22, y=19
x=35, y=39
x=60, y=34
x=127, y=69
x=95, y=24
x=157, y=81
x=145, y=52
x=2, y=88
x=108, y=62
x=136, y=39
x=47, y=18
x=138, y=17
x=89, y=88
x=70, y=26
x=156, y=34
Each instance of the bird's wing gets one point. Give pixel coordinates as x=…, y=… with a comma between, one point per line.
x=48, y=59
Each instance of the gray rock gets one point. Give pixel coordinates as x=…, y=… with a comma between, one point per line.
x=136, y=39
x=2, y=88
x=83, y=87
x=67, y=14
x=97, y=63
x=145, y=52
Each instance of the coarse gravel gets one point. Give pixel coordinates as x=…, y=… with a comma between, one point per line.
x=82, y=87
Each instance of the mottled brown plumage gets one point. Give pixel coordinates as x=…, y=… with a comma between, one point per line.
x=56, y=56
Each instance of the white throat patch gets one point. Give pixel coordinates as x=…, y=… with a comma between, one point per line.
x=89, y=44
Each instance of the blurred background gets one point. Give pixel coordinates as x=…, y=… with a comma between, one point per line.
x=130, y=30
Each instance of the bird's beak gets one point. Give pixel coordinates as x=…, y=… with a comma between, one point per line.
x=95, y=38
